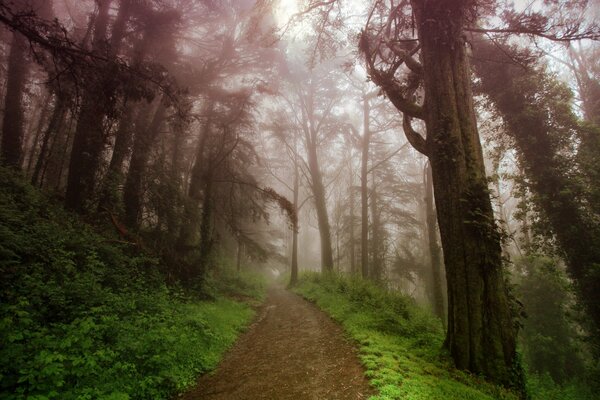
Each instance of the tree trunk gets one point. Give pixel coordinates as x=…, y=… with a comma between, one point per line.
x=294, y=267
x=321, y=208
x=240, y=247
x=481, y=336
x=364, y=191
x=133, y=194
x=12, y=125
x=42, y=119
x=352, y=238
x=51, y=175
x=205, y=234
x=376, y=270
x=89, y=140
x=114, y=175
x=434, y=249
x=56, y=121
x=188, y=233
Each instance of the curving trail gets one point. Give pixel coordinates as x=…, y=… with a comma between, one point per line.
x=292, y=351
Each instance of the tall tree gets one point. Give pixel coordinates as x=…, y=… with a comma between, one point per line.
x=536, y=110
x=481, y=335
x=16, y=75
x=12, y=125
x=89, y=140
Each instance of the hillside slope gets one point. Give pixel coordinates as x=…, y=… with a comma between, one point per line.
x=83, y=315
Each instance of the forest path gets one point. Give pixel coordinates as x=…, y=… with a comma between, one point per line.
x=291, y=351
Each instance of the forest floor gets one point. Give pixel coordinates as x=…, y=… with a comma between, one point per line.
x=291, y=351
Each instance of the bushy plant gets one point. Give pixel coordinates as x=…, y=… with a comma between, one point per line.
x=83, y=316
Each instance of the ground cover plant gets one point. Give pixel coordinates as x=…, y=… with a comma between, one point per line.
x=401, y=345
x=83, y=316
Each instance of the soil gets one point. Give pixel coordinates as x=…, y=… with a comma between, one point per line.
x=291, y=351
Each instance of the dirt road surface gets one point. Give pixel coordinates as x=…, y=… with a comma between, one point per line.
x=292, y=351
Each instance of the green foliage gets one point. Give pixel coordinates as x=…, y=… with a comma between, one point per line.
x=400, y=344
x=85, y=317
x=555, y=353
x=544, y=388
x=550, y=340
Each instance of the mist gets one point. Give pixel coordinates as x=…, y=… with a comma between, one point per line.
x=423, y=172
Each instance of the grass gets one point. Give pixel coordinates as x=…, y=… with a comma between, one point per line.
x=400, y=344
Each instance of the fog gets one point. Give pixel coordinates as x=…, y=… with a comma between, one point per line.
x=445, y=152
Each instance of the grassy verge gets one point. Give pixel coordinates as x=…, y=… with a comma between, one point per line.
x=400, y=344
x=83, y=316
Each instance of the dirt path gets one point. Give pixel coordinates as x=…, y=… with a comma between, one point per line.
x=291, y=351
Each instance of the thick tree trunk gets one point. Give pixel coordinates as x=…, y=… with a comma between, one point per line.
x=12, y=125
x=364, y=191
x=481, y=336
x=434, y=249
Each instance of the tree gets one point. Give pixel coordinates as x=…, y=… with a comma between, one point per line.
x=481, y=335
x=18, y=70
x=434, y=250
x=539, y=121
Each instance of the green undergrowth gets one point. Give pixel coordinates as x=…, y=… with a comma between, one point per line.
x=400, y=344
x=83, y=316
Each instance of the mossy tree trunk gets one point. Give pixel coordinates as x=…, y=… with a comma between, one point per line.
x=481, y=336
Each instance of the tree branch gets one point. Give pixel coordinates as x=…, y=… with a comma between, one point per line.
x=415, y=139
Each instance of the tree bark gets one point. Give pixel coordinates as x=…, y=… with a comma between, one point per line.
x=364, y=190
x=89, y=140
x=294, y=266
x=12, y=124
x=188, y=233
x=133, y=195
x=376, y=270
x=321, y=208
x=56, y=121
x=481, y=336
x=240, y=247
x=434, y=249
x=45, y=105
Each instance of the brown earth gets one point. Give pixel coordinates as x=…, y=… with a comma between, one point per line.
x=291, y=351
